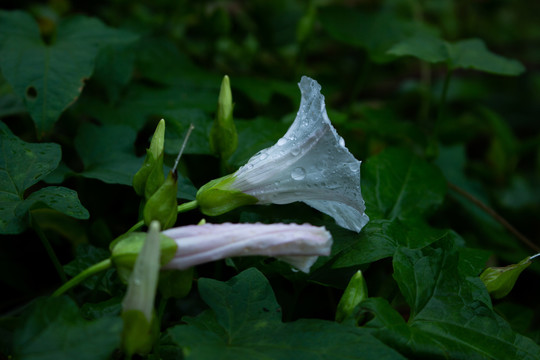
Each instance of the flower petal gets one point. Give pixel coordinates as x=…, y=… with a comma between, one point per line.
x=298, y=245
x=309, y=163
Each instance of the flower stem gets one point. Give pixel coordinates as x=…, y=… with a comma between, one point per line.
x=48, y=247
x=136, y=226
x=187, y=206
x=181, y=208
x=495, y=216
x=94, y=269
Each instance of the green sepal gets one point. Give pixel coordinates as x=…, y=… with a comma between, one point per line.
x=162, y=205
x=126, y=248
x=147, y=179
x=223, y=134
x=216, y=197
x=354, y=294
x=175, y=283
x=138, y=335
x=499, y=281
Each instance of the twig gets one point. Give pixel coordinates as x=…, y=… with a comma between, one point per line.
x=495, y=216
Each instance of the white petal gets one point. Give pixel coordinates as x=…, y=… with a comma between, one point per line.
x=309, y=163
x=299, y=245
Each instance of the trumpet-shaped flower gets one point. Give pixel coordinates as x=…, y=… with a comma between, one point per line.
x=310, y=163
x=298, y=245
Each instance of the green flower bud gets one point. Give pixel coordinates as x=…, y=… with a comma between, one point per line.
x=162, y=205
x=151, y=173
x=140, y=326
x=223, y=135
x=138, y=335
x=216, y=198
x=354, y=294
x=126, y=248
x=499, y=281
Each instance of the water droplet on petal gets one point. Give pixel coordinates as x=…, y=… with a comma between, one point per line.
x=295, y=151
x=353, y=166
x=341, y=142
x=298, y=173
x=263, y=156
x=281, y=142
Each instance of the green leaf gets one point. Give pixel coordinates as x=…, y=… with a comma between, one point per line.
x=22, y=165
x=54, y=197
x=108, y=153
x=245, y=323
x=473, y=54
x=380, y=239
x=397, y=184
x=453, y=308
x=374, y=31
x=55, y=330
x=50, y=77
x=178, y=122
x=141, y=103
x=465, y=54
x=428, y=48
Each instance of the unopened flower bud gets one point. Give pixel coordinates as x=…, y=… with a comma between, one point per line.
x=150, y=176
x=162, y=205
x=354, y=294
x=223, y=135
x=499, y=281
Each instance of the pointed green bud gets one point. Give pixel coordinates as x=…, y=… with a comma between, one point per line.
x=223, y=135
x=499, y=281
x=216, y=197
x=354, y=294
x=162, y=205
x=175, y=283
x=126, y=248
x=151, y=172
x=138, y=305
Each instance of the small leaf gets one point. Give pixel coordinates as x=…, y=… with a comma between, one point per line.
x=465, y=54
x=55, y=330
x=22, y=165
x=473, y=54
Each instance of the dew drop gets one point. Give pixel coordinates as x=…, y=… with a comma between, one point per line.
x=353, y=166
x=341, y=142
x=281, y=142
x=298, y=173
x=295, y=151
x=263, y=156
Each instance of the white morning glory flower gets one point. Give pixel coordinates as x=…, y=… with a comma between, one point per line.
x=298, y=245
x=310, y=163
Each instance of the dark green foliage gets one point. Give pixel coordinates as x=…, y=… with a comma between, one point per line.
x=413, y=87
